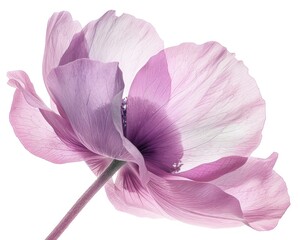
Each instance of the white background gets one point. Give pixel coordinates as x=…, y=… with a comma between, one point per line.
x=35, y=194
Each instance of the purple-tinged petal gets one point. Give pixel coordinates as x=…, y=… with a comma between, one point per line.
x=261, y=192
x=152, y=83
x=129, y=195
x=214, y=102
x=148, y=125
x=85, y=89
x=124, y=39
x=77, y=49
x=88, y=92
x=60, y=31
x=41, y=132
x=195, y=202
x=210, y=171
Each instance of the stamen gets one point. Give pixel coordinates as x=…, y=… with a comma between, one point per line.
x=177, y=166
x=123, y=114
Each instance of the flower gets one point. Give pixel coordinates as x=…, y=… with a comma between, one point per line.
x=191, y=120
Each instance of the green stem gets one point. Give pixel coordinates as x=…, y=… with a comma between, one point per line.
x=85, y=198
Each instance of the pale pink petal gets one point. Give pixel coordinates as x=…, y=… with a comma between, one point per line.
x=195, y=202
x=261, y=192
x=124, y=39
x=210, y=171
x=249, y=194
x=214, y=103
x=21, y=81
x=60, y=31
x=129, y=195
x=35, y=132
x=188, y=201
x=88, y=92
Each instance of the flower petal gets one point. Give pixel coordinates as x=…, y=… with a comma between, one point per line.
x=188, y=201
x=89, y=92
x=129, y=195
x=152, y=83
x=124, y=39
x=195, y=202
x=77, y=49
x=261, y=192
x=214, y=102
x=148, y=125
x=210, y=171
x=60, y=31
x=31, y=121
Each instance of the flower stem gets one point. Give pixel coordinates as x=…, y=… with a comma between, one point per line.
x=85, y=198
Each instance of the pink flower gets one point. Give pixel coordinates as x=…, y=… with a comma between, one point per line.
x=191, y=120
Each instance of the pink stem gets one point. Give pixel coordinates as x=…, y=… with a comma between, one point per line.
x=85, y=198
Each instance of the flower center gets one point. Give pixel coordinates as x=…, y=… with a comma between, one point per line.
x=149, y=128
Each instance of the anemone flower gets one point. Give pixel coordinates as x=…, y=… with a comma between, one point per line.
x=182, y=138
